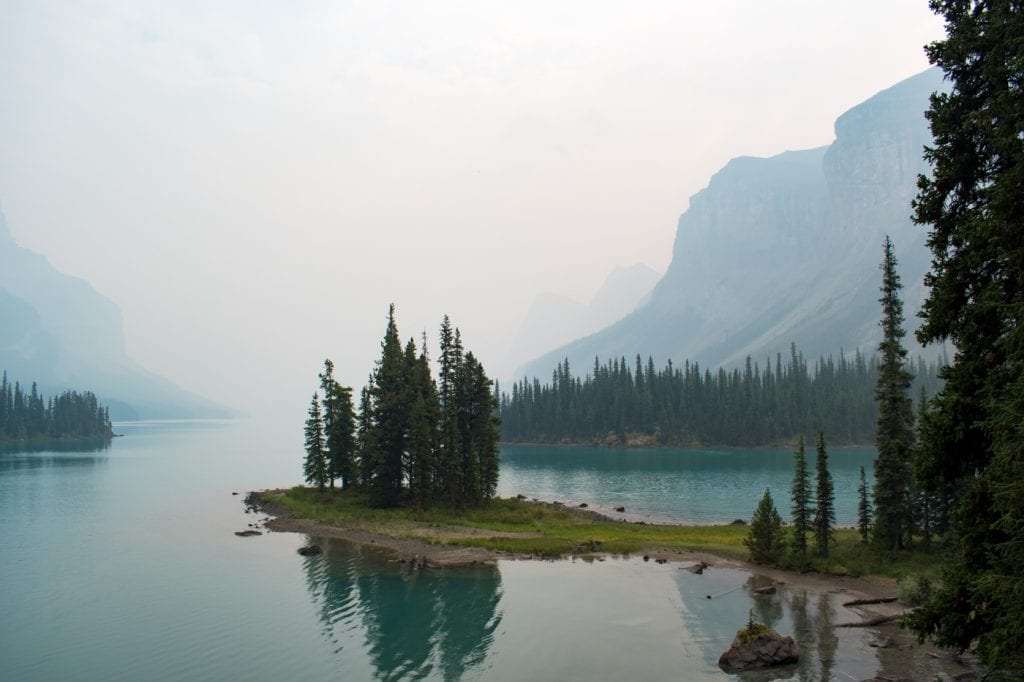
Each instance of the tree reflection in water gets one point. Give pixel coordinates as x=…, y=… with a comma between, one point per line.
x=417, y=624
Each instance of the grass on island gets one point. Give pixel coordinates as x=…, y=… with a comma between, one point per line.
x=522, y=527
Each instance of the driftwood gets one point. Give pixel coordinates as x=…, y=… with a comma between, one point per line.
x=863, y=602
x=881, y=620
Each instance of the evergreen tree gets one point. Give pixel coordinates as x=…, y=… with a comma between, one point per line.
x=974, y=433
x=894, y=437
x=424, y=417
x=390, y=401
x=339, y=427
x=366, y=447
x=481, y=434
x=824, y=510
x=766, y=539
x=314, y=468
x=449, y=447
x=863, y=508
x=801, y=498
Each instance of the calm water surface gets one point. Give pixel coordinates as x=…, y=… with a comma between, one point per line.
x=673, y=484
x=120, y=563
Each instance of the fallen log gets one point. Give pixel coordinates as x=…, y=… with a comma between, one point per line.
x=864, y=602
x=881, y=620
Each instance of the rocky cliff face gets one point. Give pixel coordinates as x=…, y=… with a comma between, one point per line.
x=786, y=249
x=58, y=331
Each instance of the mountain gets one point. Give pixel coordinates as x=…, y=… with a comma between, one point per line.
x=786, y=249
x=553, y=319
x=59, y=332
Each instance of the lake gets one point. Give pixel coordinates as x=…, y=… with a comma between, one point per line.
x=675, y=484
x=121, y=563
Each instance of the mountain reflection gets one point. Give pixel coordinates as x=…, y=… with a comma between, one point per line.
x=431, y=623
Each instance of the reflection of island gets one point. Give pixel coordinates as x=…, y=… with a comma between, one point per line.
x=47, y=454
x=431, y=622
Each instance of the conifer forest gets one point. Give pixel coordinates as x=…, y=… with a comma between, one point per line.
x=30, y=416
x=616, y=404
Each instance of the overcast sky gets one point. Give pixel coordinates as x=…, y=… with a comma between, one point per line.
x=254, y=182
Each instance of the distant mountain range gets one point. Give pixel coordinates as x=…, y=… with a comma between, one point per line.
x=786, y=249
x=59, y=332
x=553, y=319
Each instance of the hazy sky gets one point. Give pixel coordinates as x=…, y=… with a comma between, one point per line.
x=253, y=182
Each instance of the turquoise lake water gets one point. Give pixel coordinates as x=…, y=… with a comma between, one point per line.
x=121, y=563
x=672, y=484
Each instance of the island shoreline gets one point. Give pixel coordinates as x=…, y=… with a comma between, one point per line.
x=422, y=553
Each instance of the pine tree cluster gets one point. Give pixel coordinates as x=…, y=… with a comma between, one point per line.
x=413, y=440
x=26, y=416
x=813, y=513
x=614, y=403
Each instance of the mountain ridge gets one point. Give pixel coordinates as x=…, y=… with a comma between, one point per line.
x=785, y=249
x=64, y=335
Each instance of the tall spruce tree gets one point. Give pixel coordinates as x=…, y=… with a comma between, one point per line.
x=974, y=433
x=894, y=436
x=339, y=427
x=864, y=510
x=480, y=432
x=424, y=417
x=366, y=447
x=449, y=446
x=390, y=399
x=801, y=497
x=824, y=508
x=314, y=467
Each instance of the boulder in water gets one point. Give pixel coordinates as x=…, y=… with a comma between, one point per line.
x=758, y=647
x=310, y=550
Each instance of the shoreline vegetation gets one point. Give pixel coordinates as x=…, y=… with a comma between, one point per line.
x=512, y=528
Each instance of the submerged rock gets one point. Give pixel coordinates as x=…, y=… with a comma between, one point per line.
x=247, y=533
x=310, y=550
x=620, y=509
x=759, y=649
